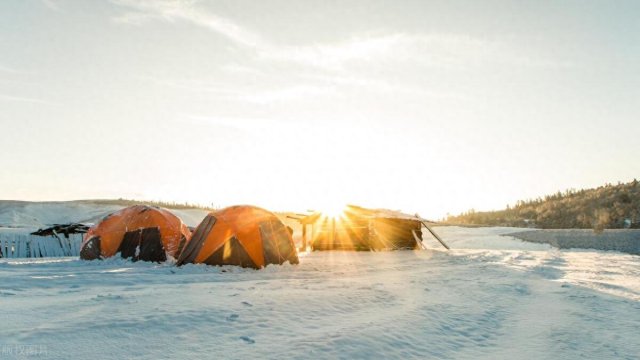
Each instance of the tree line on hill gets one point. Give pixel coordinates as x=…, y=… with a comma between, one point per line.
x=606, y=207
x=164, y=204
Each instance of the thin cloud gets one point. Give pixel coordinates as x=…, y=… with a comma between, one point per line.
x=52, y=5
x=433, y=50
x=381, y=86
x=286, y=94
x=252, y=125
x=26, y=100
x=334, y=56
x=173, y=10
x=199, y=86
x=261, y=96
x=429, y=50
x=7, y=69
x=326, y=69
x=233, y=68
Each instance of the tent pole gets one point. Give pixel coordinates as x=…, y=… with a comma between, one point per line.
x=304, y=237
x=435, y=235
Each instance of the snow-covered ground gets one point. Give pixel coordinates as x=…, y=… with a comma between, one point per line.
x=492, y=297
x=606, y=271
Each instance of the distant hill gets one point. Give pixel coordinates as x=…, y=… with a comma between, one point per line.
x=164, y=204
x=33, y=215
x=606, y=207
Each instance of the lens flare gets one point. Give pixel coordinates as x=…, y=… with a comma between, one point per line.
x=333, y=211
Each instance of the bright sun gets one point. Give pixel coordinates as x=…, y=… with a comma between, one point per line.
x=332, y=211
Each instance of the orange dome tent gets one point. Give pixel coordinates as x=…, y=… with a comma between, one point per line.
x=139, y=232
x=246, y=236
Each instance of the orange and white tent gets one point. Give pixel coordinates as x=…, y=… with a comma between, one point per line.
x=138, y=232
x=246, y=236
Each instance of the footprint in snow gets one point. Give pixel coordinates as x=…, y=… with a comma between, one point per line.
x=101, y=297
x=522, y=289
x=245, y=303
x=247, y=339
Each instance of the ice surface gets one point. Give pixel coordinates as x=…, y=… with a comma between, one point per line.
x=500, y=300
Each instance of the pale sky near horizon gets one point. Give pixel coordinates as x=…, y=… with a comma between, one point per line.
x=424, y=106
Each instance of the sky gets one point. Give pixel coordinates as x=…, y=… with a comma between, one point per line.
x=432, y=107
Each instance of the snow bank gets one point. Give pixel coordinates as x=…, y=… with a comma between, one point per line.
x=19, y=243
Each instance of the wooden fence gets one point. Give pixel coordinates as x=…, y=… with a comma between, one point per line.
x=14, y=245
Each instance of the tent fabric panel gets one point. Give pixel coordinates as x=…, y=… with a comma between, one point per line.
x=129, y=244
x=91, y=249
x=143, y=244
x=195, y=244
x=219, y=234
x=270, y=244
x=244, y=221
x=396, y=233
x=151, y=248
x=345, y=233
x=231, y=253
x=183, y=242
x=277, y=243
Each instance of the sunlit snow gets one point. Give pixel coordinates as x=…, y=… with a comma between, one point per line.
x=511, y=300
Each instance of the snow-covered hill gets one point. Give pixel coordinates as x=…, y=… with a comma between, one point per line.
x=25, y=214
